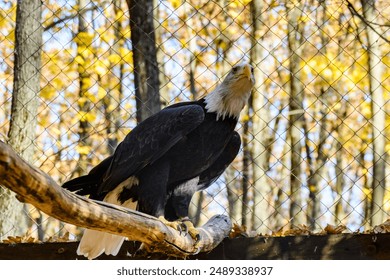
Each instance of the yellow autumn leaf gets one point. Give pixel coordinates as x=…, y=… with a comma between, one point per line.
x=87, y=116
x=3, y=19
x=47, y=92
x=312, y=188
x=81, y=101
x=183, y=42
x=111, y=107
x=175, y=3
x=234, y=13
x=83, y=150
x=367, y=192
x=233, y=5
x=128, y=106
x=223, y=25
x=245, y=2
x=127, y=55
x=10, y=36
x=90, y=117
x=337, y=73
x=55, y=131
x=322, y=64
x=114, y=58
x=90, y=96
x=101, y=93
x=327, y=74
x=87, y=83
x=365, y=110
x=84, y=38
x=79, y=59
x=100, y=68
x=304, y=18
x=312, y=63
x=330, y=229
x=119, y=15
x=245, y=118
x=43, y=122
x=306, y=68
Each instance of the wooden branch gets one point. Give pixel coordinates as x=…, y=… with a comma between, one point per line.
x=37, y=188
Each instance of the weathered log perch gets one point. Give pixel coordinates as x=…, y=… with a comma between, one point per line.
x=33, y=186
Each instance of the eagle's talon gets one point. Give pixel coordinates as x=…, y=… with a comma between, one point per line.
x=191, y=230
x=197, y=249
x=175, y=225
x=197, y=243
x=183, y=229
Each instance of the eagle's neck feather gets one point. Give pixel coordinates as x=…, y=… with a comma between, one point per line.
x=226, y=102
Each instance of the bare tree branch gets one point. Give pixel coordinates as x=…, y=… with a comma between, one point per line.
x=68, y=17
x=366, y=22
x=37, y=188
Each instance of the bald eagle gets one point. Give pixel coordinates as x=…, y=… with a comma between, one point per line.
x=166, y=158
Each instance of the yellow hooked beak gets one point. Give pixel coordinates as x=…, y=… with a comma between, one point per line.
x=248, y=71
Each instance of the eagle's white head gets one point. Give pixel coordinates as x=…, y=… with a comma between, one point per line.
x=230, y=97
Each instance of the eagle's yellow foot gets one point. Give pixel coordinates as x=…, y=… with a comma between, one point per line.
x=184, y=226
x=190, y=229
x=176, y=224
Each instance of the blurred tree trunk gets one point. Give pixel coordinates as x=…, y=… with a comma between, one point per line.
x=26, y=87
x=198, y=198
x=295, y=40
x=84, y=102
x=112, y=100
x=279, y=194
x=192, y=66
x=247, y=170
x=341, y=113
x=366, y=188
x=340, y=167
x=245, y=209
x=195, y=209
x=161, y=54
x=192, y=48
x=223, y=41
x=375, y=74
x=146, y=72
x=233, y=194
x=317, y=160
x=262, y=192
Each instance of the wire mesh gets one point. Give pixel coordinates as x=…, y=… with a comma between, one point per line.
x=310, y=122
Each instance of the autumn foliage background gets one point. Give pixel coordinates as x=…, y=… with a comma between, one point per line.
x=308, y=152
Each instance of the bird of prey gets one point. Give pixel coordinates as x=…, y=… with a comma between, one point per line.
x=168, y=157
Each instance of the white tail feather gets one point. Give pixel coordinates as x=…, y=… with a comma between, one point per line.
x=94, y=243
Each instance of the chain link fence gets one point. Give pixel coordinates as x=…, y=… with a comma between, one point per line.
x=310, y=154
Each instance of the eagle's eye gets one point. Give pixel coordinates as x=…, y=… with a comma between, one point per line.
x=252, y=70
x=234, y=70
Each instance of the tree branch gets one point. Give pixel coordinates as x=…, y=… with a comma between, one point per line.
x=365, y=21
x=68, y=17
x=37, y=188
